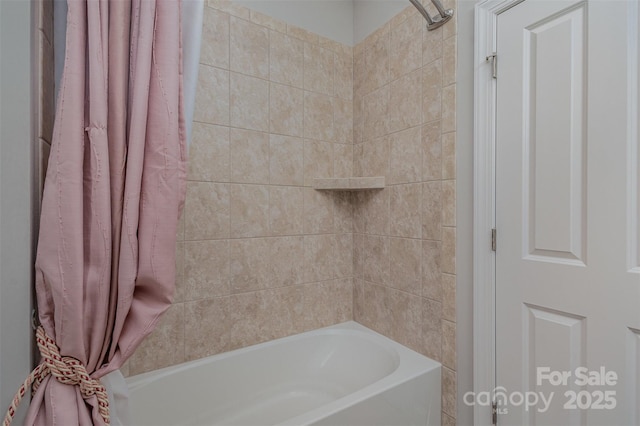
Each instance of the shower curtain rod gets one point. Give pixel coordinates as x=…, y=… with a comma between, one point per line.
x=436, y=21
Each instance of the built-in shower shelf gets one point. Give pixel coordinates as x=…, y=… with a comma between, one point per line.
x=349, y=184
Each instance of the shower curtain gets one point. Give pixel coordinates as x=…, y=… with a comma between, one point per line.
x=115, y=185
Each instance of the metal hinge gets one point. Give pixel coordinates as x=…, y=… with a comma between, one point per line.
x=493, y=239
x=494, y=64
x=494, y=413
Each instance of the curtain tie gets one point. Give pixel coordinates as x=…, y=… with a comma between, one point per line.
x=66, y=370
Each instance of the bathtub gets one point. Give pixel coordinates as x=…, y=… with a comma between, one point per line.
x=340, y=375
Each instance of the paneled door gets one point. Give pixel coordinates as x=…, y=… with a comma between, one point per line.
x=567, y=207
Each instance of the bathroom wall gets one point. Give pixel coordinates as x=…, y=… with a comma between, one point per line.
x=332, y=19
x=405, y=235
x=261, y=255
x=26, y=123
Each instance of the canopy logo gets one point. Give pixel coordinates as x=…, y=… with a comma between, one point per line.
x=581, y=377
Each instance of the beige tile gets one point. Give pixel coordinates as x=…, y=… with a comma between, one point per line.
x=249, y=210
x=302, y=34
x=318, y=69
x=432, y=329
x=358, y=159
x=318, y=211
x=249, y=48
x=377, y=310
x=360, y=75
x=206, y=327
x=376, y=59
x=400, y=18
x=165, y=346
x=381, y=33
x=449, y=109
x=206, y=211
x=249, y=264
x=452, y=26
x=286, y=261
x=318, y=160
x=358, y=256
x=358, y=300
x=328, y=303
x=431, y=46
x=376, y=113
x=449, y=155
x=405, y=109
x=376, y=259
x=286, y=106
x=267, y=21
x=449, y=203
x=206, y=269
x=283, y=312
x=319, y=259
x=343, y=75
x=431, y=151
x=376, y=212
x=230, y=7
x=286, y=160
x=343, y=121
x=286, y=211
x=249, y=156
x=449, y=344
x=342, y=160
x=432, y=210
x=209, y=155
x=405, y=266
x=178, y=295
x=249, y=102
x=318, y=116
x=344, y=255
x=343, y=212
x=375, y=158
x=449, y=61
x=406, y=317
x=406, y=156
x=212, y=96
x=449, y=390
x=432, y=91
x=287, y=58
x=449, y=250
x=431, y=270
x=246, y=314
x=214, y=49
x=406, y=47
x=405, y=206
x=449, y=297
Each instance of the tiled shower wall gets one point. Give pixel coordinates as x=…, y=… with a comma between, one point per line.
x=261, y=255
x=404, y=235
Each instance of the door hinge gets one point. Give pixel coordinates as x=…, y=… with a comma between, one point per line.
x=494, y=64
x=494, y=413
x=494, y=239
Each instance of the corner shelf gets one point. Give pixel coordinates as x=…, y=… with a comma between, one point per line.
x=349, y=184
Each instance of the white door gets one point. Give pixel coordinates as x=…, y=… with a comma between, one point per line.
x=567, y=191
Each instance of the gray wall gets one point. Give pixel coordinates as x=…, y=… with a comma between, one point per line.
x=15, y=196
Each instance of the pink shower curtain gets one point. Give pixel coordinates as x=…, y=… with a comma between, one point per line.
x=105, y=269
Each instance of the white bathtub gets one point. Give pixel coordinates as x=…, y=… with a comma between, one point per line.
x=340, y=375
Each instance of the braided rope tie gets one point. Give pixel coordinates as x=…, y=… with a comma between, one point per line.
x=66, y=370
